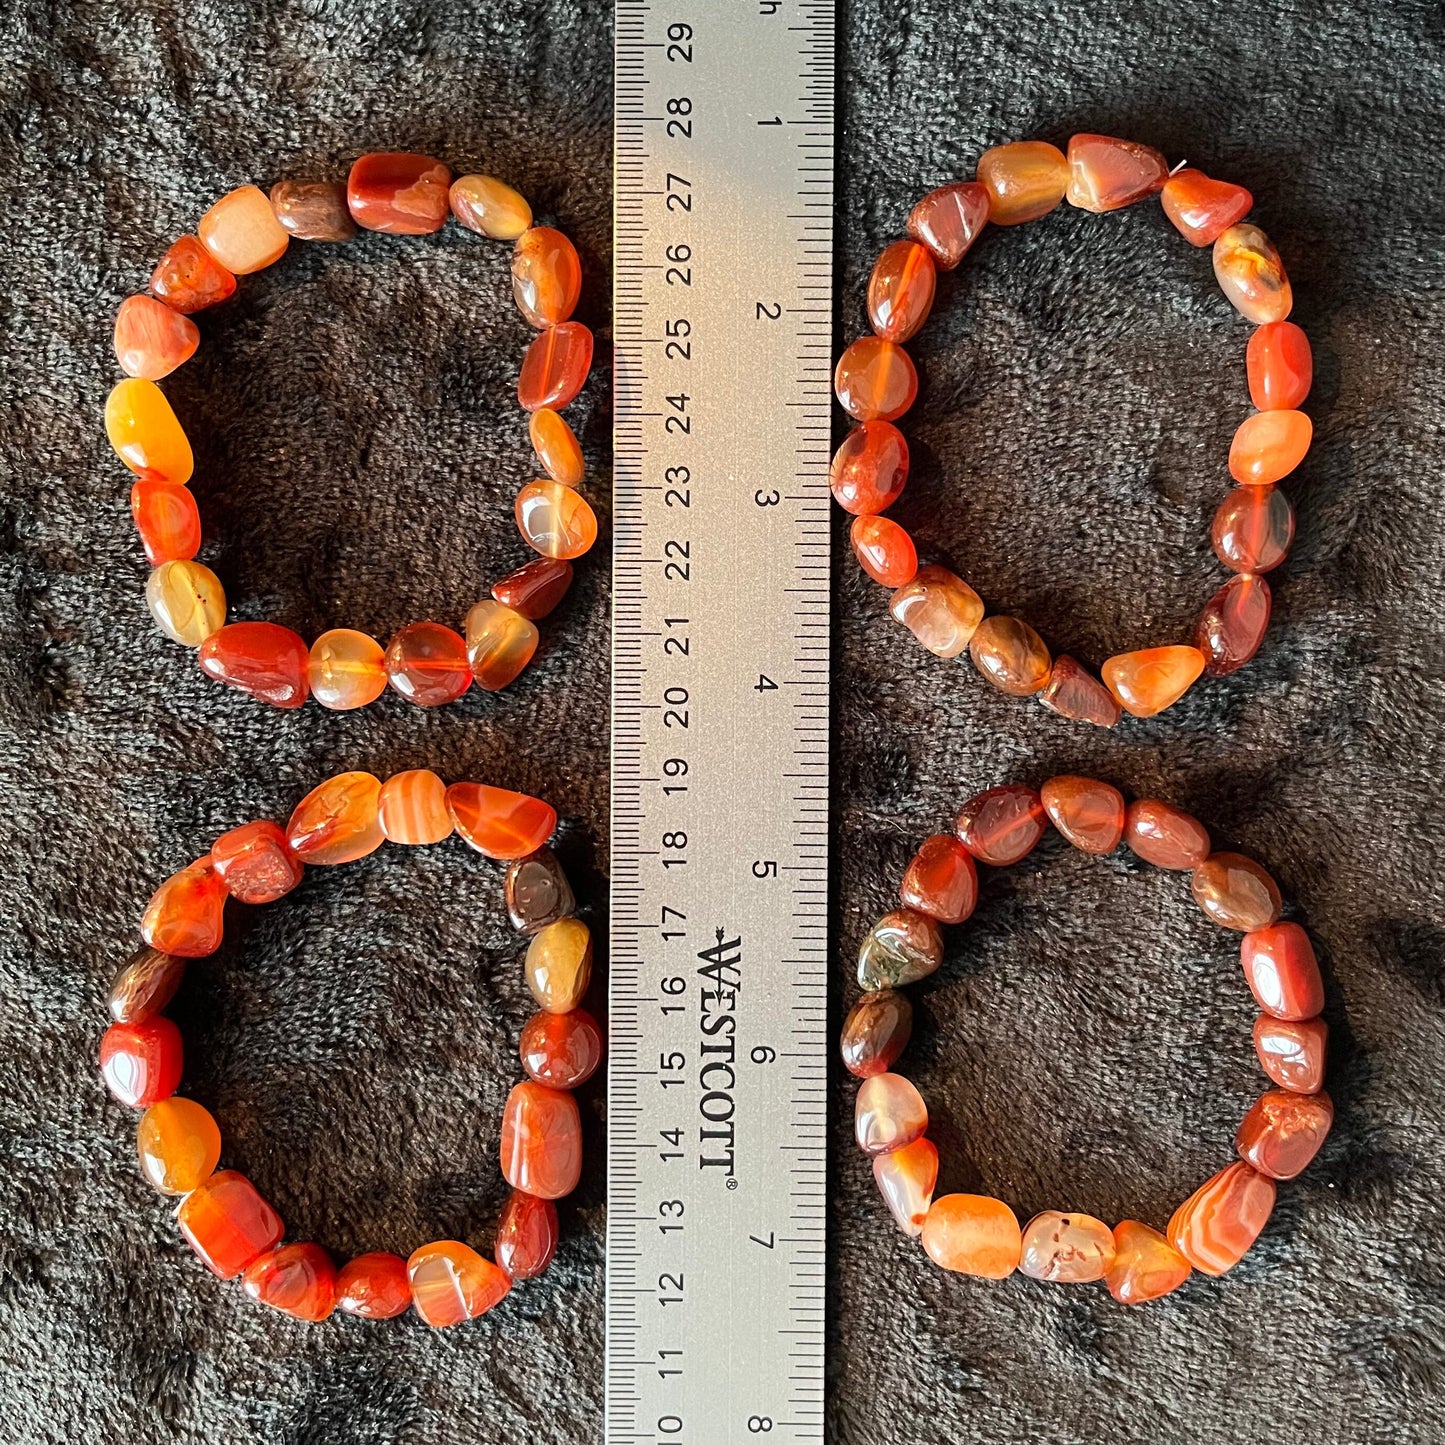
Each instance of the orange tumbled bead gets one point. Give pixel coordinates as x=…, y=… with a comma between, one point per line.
x=255, y=863
x=373, y=1286
x=1106, y=174
x=189, y=279
x=535, y=588
x=1232, y=625
x=412, y=808
x=900, y=290
x=1002, y=826
x=541, y=1141
x=500, y=643
x=870, y=469
x=451, y=1283
x=141, y=1062
x=561, y=1051
x=1025, y=179
x=1292, y=1051
x=297, y=1279
x=1253, y=529
x=1283, y=1131
x=168, y=521
x=145, y=433
x=242, y=233
x=1202, y=208
x=1268, y=446
x=1073, y=692
x=527, y=1234
x=949, y=219
x=152, y=339
x=346, y=669
x=179, y=1145
x=1010, y=655
x=399, y=192
x=942, y=611
x=905, y=1178
x=338, y=821
x=556, y=447
x=973, y=1234
x=228, y=1224
x=184, y=915
x=1280, y=366
x=941, y=880
x=555, y=367
x=1216, y=1225
x=888, y=1113
x=884, y=550
x=1146, y=682
x=499, y=823
x=1279, y=962
x=263, y=659
x=875, y=380
x=1165, y=836
x=1090, y=814
x=1145, y=1265
x=546, y=276
x=427, y=664
x=555, y=520
x=1237, y=893
x=1251, y=274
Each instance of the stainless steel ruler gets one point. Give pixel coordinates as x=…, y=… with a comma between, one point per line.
x=717, y=1070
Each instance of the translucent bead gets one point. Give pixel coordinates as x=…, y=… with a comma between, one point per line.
x=242, y=233
x=1165, y=836
x=1203, y=209
x=141, y=1062
x=1292, y=1052
x=541, y=1141
x=1284, y=1131
x=297, y=1279
x=876, y=1032
x=535, y=588
x=412, y=808
x=870, y=468
x=1216, y=1225
x=906, y=1178
x=1090, y=814
x=145, y=433
x=884, y=550
x=888, y=1114
x=151, y=339
x=941, y=880
x=1010, y=655
x=1251, y=274
x=942, y=611
x=255, y=863
x=1232, y=626
x=1236, y=893
x=427, y=664
x=973, y=1234
x=499, y=823
x=500, y=643
x=346, y=669
x=186, y=600
x=1075, y=693
x=451, y=1283
x=875, y=380
x=1280, y=366
x=902, y=947
x=490, y=207
x=546, y=276
x=555, y=367
x=1025, y=179
x=228, y=1224
x=536, y=892
x=183, y=917
x=555, y=520
x=399, y=192
x=1268, y=446
x=145, y=985
x=1066, y=1248
x=558, y=966
x=1253, y=529
x=338, y=822
x=269, y=662
x=561, y=1051
x=1146, y=682
x=1106, y=174
x=900, y=290
x=527, y=1235
x=556, y=447
x=189, y=279
x=179, y=1145
x=1146, y=1266
x=313, y=210
x=168, y=521
x=373, y=1286
x=1002, y=826
x=949, y=219
x=1280, y=965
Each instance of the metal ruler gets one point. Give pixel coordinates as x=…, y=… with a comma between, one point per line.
x=717, y=1076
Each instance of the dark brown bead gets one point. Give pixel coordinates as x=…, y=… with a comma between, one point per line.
x=1075, y=693
x=537, y=892
x=1236, y=893
x=1232, y=626
x=876, y=1032
x=1002, y=825
x=1011, y=655
x=1253, y=529
x=313, y=210
x=146, y=984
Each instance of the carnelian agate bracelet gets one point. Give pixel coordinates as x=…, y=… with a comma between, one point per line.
x=426, y=662
x=1282, y=1132
x=876, y=383
x=222, y=1215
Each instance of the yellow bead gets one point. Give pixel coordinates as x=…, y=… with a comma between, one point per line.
x=500, y=643
x=559, y=965
x=187, y=601
x=242, y=233
x=490, y=207
x=145, y=433
x=347, y=669
x=179, y=1145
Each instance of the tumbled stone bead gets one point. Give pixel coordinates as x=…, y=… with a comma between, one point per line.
x=1025, y=179
x=900, y=290
x=1010, y=655
x=1146, y=682
x=906, y=1178
x=889, y=1113
x=527, y=1235
x=141, y=1062
x=1251, y=274
x=152, y=339
x=373, y=1286
x=1201, y=208
x=1280, y=366
x=1089, y=813
x=535, y=588
x=189, y=279
x=242, y=233
x=427, y=664
x=490, y=207
x=1292, y=1052
x=561, y=1051
x=313, y=210
x=1216, y=1225
x=1279, y=959
x=536, y=892
x=1164, y=836
x=941, y=880
x=556, y=447
x=498, y=822
x=949, y=219
x=338, y=821
x=168, y=521
x=412, y=808
x=1283, y=1131
x=1268, y=446
x=1106, y=174
x=145, y=433
x=178, y=1144
x=451, y=1283
x=228, y=1224
x=555, y=367
x=398, y=192
x=500, y=643
x=1075, y=693
x=184, y=915
x=870, y=469
x=1236, y=892
x=546, y=276
x=269, y=662
x=555, y=520
x=255, y=863
x=902, y=947
x=1001, y=826
x=1146, y=1266
x=346, y=669
x=1232, y=626
x=973, y=1234
x=876, y=1032
x=940, y=610
x=558, y=965
x=875, y=380
x=541, y=1141
x=1253, y=529
x=884, y=550
x=186, y=600
x=145, y=985
x=297, y=1279
x=1066, y=1248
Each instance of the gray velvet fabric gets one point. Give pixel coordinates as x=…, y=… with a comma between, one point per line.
x=1086, y=1044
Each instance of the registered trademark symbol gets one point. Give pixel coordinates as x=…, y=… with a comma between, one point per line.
x=732, y=1183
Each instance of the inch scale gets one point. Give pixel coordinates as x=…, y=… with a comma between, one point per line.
x=717, y=1075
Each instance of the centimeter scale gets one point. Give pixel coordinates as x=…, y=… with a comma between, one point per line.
x=717, y=1073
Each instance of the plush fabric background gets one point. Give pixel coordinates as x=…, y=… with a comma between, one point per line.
x=1086, y=1044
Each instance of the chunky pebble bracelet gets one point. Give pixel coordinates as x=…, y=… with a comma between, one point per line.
x=876, y=383
x=222, y=1216
x=979, y=1235
x=426, y=662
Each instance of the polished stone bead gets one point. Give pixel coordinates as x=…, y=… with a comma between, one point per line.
x=186, y=600
x=870, y=469
x=973, y=1234
x=373, y=1286
x=876, y=1032
x=313, y=210
x=527, y=1235
x=1283, y=1131
x=242, y=233
x=338, y=821
x=1236, y=893
x=412, y=808
x=1025, y=179
x=152, y=339
x=1253, y=529
x=555, y=367
x=902, y=947
x=1066, y=1248
x=189, y=279
x=168, y=521
x=141, y=1062
x=1268, y=446
x=555, y=520
x=1164, y=836
x=1279, y=963
x=500, y=823
x=546, y=276
x=1146, y=1266
x=490, y=207
x=1090, y=814
x=1106, y=174
x=900, y=290
x=228, y=1224
x=398, y=192
x=1292, y=1051
x=1146, y=682
x=949, y=219
x=875, y=380
x=1216, y=1225
x=500, y=643
x=184, y=915
x=535, y=588
x=297, y=1279
x=1202, y=209
x=1280, y=366
x=558, y=966
x=451, y=1283
x=178, y=1144
x=942, y=611
x=906, y=1178
x=346, y=669
x=1075, y=693
x=144, y=431
x=561, y=1051
x=884, y=550
x=145, y=985
x=255, y=863
x=1010, y=655
x=941, y=880
x=427, y=664
x=889, y=1113
x=1251, y=274
x=556, y=447
x=268, y=661
x=1001, y=826
x=541, y=1141
x=536, y=892
x=1232, y=626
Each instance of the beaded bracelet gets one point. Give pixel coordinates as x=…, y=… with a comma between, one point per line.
x=876, y=383
x=222, y=1216
x=426, y=662
x=978, y=1235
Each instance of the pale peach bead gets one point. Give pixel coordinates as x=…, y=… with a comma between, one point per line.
x=888, y=1113
x=242, y=233
x=905, y=1178
x=1066, y=1248
x=973, y=1234
x=347, y=669
x=556, y=446
x=187, y=601
x=413, y=807
x=490, y=207
x=152, y=339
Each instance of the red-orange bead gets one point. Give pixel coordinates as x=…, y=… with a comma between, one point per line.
x=561, y=1051
x=427, y=664
x=189, y=278
x=228, y=1224
x=556, y=520
x=541, y=1141
x=339, y=821
x=452, y=1283
x=1025, y=179
x=1152, y=679
x=1284, y=1131
x=1146, y=1266
x=167, y=519
x=1202, y=209
x=556, y=447
x=900, y=290
x=500, y=823
x=941, y=880
x=527, y=1235
x=184, y=915
x=398, y=192
x=297, y=1279
x=1280, y=366
x=1106, y=174
x=271, y=663
x=152, y=339
x=1232, y=626
x=555, y=367
x=1164, y=836
x=546, y=276
x=1237, y=893
x=1216, y=1225
x=1268, y=446
x=1292, y=1051
x=949, y=219
x=884, y=550
x=373, y=1286
x=1282, y=971
x=535, y=588
x=875, y=380
x=1075, y=693
x=1253, y=529
x=1089, y=813
x=141, y=1062
x=870, y=469
x=255, y=863
x=1002, y=826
